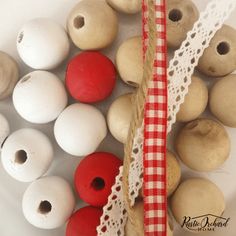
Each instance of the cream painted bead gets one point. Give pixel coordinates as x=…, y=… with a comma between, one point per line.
x=92, y=24
x=119, y=117
x=129, y=61
x=9, y=74
x=39, y=97
x=173, y=172
x=48, y=202
x=43, y=44
x=124, y=6
x=203, y=145
x=222, y=100
x=4, y=129
x=197, y=197
x=27, y=154
x=80, y=129
x=195, y=101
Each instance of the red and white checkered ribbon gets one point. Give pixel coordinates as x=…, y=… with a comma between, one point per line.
x=155, y=129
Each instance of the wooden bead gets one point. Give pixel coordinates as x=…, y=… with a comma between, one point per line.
x=27, y=154
x=129, y=61
x=203, y=145
x=9, y=74
x=124, y=6
x=39, y=97
x=195, y=101
x=223, y=100
x=181, y=15
x=119, y=117
x=219, y=58
x=80, y=129
x=173, y=173
x=48, y=202
x=92, y=25
x=42, y=44
x=95, y=176
x=197, y=197
x=4, y=129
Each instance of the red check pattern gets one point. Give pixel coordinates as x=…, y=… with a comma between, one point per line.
x=155, y=130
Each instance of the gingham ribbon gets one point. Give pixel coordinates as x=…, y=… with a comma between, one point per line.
x=155, y=127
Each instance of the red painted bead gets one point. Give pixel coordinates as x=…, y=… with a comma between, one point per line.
x=84, y=222
x=95, y=176
x=90, y=77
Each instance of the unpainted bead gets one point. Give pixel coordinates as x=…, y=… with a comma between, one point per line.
x=92, y=24
x=124, y=6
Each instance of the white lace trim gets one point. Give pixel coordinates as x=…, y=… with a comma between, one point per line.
x=181, y=67
x=180, y=70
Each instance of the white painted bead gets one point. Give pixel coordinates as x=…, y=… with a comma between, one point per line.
x=48, y=202
x=124, y=6
x=42, y=44
x=80, y=129
x=39, y=97
x=4, y=129
x=27, y=154
x=92, y=24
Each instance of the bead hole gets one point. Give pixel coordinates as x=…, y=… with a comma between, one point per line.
x=98, y=183
x=175, y=15
x=223, y=48
x=20, y=37
x=79, y=22
x=20, y=157
x=26, y=78
x=44, y=207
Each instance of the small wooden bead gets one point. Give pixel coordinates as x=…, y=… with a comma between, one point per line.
x=9, y=74
x=219, y=58
x=223, y=100
x=90, y=77
x=84, y=222
x=39, y=97
x=42, y=44
x=124, y=6
x=129, y=61
x=4, y=129
x=195, y=101
x=92, y=25
x=94, y=177
x=48, y=202
x=27, y=154
x=119, y=117
x=203, y=145
x=181, y=16
x=80, y=129
x=197, y=197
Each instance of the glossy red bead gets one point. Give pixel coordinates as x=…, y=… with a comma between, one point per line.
x=90, y=77
x=84, y=222
x=95, y=176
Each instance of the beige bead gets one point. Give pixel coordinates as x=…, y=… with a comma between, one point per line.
x=181, y=17
x=223, y=100
x=173, y=173
x=203, y=145
x=9, y=75
x=130, y=230
x=219, y=59
x=92, y=24
x=124, y=6
x=138, y=230
x=119, y=117
x=197, y=197
x=195, y=101
x=129, y=61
